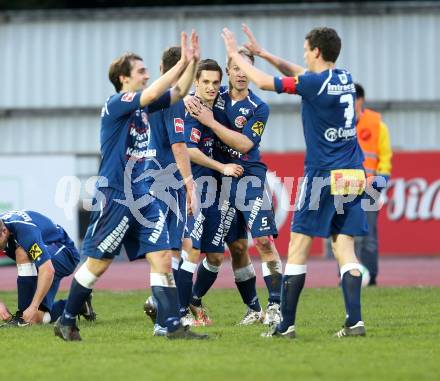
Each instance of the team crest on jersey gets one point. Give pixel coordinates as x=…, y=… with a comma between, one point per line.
x=179, y=125
x=144, y=118
x=195, y=135
x=343, y=78
x=35, y=251
x=128, y=97
x=258, y=128
x=240, y=121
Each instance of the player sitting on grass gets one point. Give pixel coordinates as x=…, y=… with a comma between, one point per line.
x=44, y=254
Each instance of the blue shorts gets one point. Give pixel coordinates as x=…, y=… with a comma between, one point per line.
x=209, y=227
x=115, y=225
x=321, y=214
x=251, y=197
x=238, y=229
x=174, y=208
x=65, y=258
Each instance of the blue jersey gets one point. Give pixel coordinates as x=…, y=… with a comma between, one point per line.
x=34, y=232
x=199, y=136
x=249, y=117
x=328, y=118
x=167, y=128
x=125, y=133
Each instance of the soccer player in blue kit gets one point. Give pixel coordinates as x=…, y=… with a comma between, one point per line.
x=238, y=121
x=44, y=254
x=329, y=203
x=172, y=183
x=209, y=225
x=127, y=215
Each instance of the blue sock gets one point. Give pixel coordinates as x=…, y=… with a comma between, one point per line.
x=57, y=310
x=167, y=307
x=292, y=287
x=273, y=284
x=185, y=284
x=26, y=286
x=206, y=276
x=77, y=296
x=245, y=280
x=273, y=278
x=248, y=293
x=351, y=288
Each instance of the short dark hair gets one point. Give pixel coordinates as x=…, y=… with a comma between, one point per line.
x=327, y=41
x=360, y=92
x=2, y=224
x=121, y=66
x=244, y=52
x=170, y=57
x=210, y=65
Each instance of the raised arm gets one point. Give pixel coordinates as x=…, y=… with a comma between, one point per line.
x=287, y=68
x=158, y=87
x=184, y=84
x=263, y=80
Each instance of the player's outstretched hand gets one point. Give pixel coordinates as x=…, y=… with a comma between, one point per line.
x=195, y=46
x=187, y=53
x=4, y=312
x=230, y=42
x=233, y=170
x=252, y=45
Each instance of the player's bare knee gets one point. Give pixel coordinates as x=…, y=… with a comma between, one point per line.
x=21, y=257
x=215, y=259
x=193, y=256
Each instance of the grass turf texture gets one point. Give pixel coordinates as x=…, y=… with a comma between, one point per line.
x=403, y=326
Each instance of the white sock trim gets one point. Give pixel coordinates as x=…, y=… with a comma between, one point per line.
x=85, y=277
x=189, y=266
x=212, y=268
x=27, y=269
x=292, y=269
x=46, y=318
x=244, y=273
x=184, y=255
x=350, y=266
x=175, y=263
x=162, y=280
x=268, y=271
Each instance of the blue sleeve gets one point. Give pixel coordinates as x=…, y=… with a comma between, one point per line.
x=122, y=104
x=255, y=126
x=30, y=239
x=309, y=85
x=175, y=122
x=164, y=101
x=193, y=133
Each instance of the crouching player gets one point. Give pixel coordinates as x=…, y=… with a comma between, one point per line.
x=44, y=254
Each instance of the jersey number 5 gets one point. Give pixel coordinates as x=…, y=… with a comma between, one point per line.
x=349, y=110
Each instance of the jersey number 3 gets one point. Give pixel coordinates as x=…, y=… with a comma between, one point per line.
x=349, y=110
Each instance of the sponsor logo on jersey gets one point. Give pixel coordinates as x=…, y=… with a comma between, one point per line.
x=128, y=97
x=220, y=103
x=35, y=251
x=333, y=134
x=195, y=135
x=340, y=89
x=258, y=128
x=179, y=125
x=244, y=111
x=240, y=121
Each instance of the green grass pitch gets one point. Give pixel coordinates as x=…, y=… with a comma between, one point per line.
x=402, y=343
